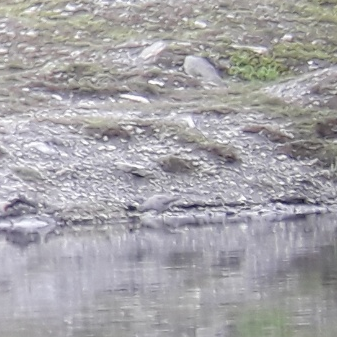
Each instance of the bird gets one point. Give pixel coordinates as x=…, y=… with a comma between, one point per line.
x=158, y=203
x=175, y=164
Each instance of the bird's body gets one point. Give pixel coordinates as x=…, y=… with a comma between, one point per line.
x=158, y=203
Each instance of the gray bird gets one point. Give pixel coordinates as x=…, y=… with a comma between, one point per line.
x=158, y=203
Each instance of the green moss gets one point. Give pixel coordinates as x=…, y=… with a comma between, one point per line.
x=251, y=66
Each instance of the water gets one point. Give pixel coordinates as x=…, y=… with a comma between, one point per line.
x=249, y=279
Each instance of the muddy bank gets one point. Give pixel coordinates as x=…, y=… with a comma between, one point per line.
x=89, y=133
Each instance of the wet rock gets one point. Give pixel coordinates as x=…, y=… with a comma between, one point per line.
x=158, y=203
x=27, y=230
x=199, y=67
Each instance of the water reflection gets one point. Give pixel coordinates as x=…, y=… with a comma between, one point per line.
x=258, y=279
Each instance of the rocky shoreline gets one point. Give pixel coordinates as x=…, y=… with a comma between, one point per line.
x=77, y=169
x=88, y=143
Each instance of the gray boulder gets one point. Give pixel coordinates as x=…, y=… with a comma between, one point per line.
x=199, y=67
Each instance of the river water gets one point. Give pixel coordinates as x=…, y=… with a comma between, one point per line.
x=245, y=279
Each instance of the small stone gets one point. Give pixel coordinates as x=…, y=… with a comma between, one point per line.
x=200, y=24
x=135, y=98
x=255, y=49
x=287, y=37
x=57, y=97
x=160, y=84
x=41, y=147
x=150, y=53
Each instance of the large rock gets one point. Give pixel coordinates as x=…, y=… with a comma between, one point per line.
x=199, y=67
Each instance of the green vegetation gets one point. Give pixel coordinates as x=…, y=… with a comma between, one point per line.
x=252, y=66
